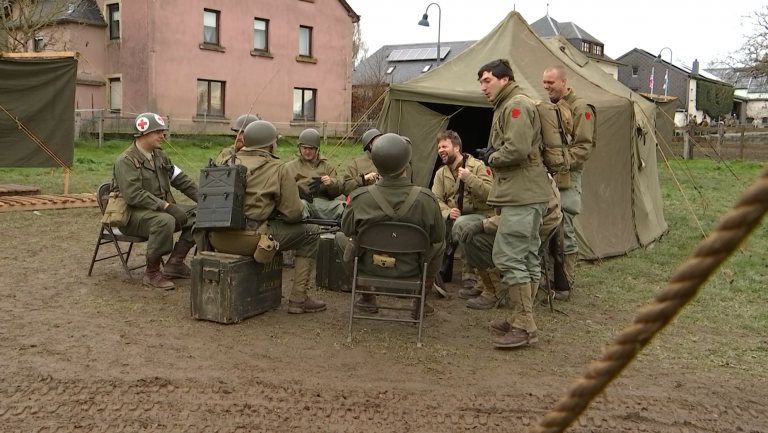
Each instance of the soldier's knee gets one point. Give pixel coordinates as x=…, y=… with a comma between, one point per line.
x=165, y=223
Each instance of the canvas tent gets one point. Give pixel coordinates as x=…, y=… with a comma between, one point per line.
x=622, y=206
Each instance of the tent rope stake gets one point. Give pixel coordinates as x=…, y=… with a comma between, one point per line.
x=733, y=229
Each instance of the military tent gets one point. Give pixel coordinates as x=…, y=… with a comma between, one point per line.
x=622, y=206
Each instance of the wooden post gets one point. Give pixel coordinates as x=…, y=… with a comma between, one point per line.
x=66, y=181
x=101, y=129
x=720, y=138
x=687, y=145
x=741, y=143
x=325, y=133
x=168, y=133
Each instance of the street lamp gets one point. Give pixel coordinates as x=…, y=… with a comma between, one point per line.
x=425, y=22
x=666, y=75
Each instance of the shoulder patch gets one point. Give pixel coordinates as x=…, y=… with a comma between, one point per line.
x=588, y=115
x=515, y=113
x=488, y=170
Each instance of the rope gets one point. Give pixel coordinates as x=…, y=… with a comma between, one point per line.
x=352, y=130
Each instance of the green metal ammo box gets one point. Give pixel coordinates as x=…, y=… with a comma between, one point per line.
x=330, y=273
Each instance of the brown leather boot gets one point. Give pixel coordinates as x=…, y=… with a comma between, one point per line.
x=304, y=267
x=483, y=303
x=469, y=293
x=516, y=337
x=500, y=326
x=308, y=306
x=153, y=277
x=367, y=303
x=175, y=266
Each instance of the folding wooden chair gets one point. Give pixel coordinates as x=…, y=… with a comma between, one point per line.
x=108, y=235
x=391, y=238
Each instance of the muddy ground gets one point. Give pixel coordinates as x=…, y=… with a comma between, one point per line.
x=104, y=354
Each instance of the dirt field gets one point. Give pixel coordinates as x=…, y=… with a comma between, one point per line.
x=104, y=354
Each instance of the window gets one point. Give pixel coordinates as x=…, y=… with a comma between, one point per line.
x=599, y=50
x=39, y=44
x=115, y=94
x=210, y=98
x=426, y=68
x=211, y=27
x=634, y=71
x=585, y=46
x=113, y=14
x=304, y=104
x=390, y=70
x=305, y=41
x=260, y=34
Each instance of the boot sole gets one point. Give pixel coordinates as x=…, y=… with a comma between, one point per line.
x=302, y=311
x=498, y=330
x=529, y=342
x=177, y=276
x=495, y=304
x=158, y=288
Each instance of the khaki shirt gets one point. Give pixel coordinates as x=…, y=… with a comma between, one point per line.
x=226, y=154
x=270, y=190
x=353, y=174
x=362, y=211
x=552, y=217
x=476, y=188
x=302, y=171
x=147, y=185
x=584, y=127
x=519, y=176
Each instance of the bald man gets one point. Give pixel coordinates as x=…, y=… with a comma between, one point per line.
x=580, y=148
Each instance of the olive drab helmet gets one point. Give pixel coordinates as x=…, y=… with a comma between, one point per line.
x=243, y=121
x=260, y=134
x=391, y=155
x=369, y=136
x=309, y=137
x=148, y=122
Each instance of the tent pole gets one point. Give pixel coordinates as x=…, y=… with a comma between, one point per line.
x=66, y=181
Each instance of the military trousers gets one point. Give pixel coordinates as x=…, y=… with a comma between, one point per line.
x=467, y=272
x=516, y=246
x=159, y=228
x=321, y=208
x=410, y=265
x=571, y=201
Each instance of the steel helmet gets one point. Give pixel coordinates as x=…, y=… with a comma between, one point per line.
x=259, y=134
x=309, y=137
x=148, y=122
x=369, y=136
x=243, y=121
x=391, y=155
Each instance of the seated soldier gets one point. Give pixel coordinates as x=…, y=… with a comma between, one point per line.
x=477, y=244
x=316, y=179
x=270, y=193
x=405, y=203
x=458, y=168
x=239, y=126
x=143, y=175
x=361, y=171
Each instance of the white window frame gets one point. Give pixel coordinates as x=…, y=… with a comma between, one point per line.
x=426, y=68
x=311, y=36
x=391, y=69
x=108, y=99
x=266, y=34
x=106, y=15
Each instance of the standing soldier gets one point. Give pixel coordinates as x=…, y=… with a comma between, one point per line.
x=316, y=179
x=271, y=192
x=238, y=128
x=579, y=150
x=520, y=192
x=393, y=198
x=143, y=175
x=476, y=177
x=361, y=171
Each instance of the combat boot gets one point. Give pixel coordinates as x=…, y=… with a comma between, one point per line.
x=484, y=303
x=367, y=302
x=502, y=326
x=428, y=309
x=516, y=337
x=153, y=277
x=569, y=263
x=300, y=302
x=175, y=266
x=469, y=293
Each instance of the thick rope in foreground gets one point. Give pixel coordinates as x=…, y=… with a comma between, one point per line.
x=734, y=227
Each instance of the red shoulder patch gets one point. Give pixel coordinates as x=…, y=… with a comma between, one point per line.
x=348, y=198
x=515, y=113
x=588, y=115
x=488, y=170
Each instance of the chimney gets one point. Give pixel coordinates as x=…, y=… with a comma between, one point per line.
x=695, y=67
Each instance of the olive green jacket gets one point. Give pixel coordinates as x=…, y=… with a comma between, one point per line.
x=476, y=188
x=584, y=127
x=353, y=174
x=519, y=176
x=147, y=185
x=226, y=154
x=303, y=171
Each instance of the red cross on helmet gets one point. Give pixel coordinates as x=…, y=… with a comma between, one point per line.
x=149, y=122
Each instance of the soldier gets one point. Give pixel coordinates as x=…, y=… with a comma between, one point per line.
x=579, y=150
x=414, y=204
x=316, y=179
x=477, y=183
x=238, y=128
x=361, y=171
x=514, y=156
x=272, y=192
x=143, y=175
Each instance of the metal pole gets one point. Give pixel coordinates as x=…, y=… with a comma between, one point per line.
x=439, y=23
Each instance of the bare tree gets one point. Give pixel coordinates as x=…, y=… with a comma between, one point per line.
x=752, y=57
x=359, y=46
x=25, y=25
x=369, y=84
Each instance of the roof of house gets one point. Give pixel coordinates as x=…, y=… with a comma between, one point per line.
x=375, y=66
x=741, y=79
x=676, y=64
x=548, y=27
x=76, y=11
x=355, y=17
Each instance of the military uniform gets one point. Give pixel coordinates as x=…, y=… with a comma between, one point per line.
x=579, y=151
x=476, y=188
x=226, y=154
x=323, y=205
x=354, y=174
x=520, y=191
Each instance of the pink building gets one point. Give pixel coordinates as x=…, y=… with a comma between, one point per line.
x=202, y=63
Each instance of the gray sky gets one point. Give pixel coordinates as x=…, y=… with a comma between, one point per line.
x=700, y=30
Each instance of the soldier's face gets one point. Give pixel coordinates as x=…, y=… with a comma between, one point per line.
x=555, y=85
x=447, y=151
x=152, y=140
x=491, y=86
x=239, y=139
x=308, y=153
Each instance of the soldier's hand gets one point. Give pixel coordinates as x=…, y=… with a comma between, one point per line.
x=326, y=180
x=485, y=154
x=471, y=230
x=306, y=197
x=371, y=176
x=314, y=186
x=455, y=213
x=464, y=173
x=178, y=214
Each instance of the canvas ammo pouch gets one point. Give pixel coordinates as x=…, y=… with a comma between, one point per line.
x=267, y=246
x=384, y=261
x=117, y=213
x=556, y=130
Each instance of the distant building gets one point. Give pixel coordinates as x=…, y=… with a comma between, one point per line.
x=547, y=27
x=750, y=95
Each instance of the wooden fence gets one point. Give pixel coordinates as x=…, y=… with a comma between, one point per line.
x=719, y=142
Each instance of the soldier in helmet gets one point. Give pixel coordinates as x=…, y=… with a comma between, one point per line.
x=273, y=207
x=143, y=175
x=392, y=198
x=361, y=171
x=316, y=178
x=237, y=128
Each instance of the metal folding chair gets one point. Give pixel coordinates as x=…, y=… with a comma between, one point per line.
x=391, y=238
x=108, y=235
